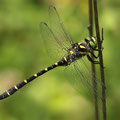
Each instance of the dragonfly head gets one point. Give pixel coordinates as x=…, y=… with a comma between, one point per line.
x=92, y=41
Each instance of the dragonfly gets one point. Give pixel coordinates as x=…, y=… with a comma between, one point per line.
x=73, y=52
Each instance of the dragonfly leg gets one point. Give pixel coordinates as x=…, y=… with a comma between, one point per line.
x=98, y=52
x=98, y=49
x=90, y=59
x=95, y=55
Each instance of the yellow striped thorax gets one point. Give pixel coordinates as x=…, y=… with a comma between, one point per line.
x=81, y=45
x=71, y=52
x=83, y=52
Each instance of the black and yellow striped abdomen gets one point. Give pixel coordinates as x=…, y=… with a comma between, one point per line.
x=15, y=88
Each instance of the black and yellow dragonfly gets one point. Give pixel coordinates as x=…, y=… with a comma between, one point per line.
x=73, y=52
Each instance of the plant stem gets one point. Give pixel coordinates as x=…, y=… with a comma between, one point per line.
x=90, y=27
x=101, y=60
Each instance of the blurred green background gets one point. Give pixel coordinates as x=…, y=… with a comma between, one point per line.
x=22, y=53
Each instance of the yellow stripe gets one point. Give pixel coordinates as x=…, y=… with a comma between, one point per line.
x=35, y=75
x=25, y=81
x=56, y=64
x=83, y=52
x=71, y=52
x=81, y=46
x=65, y=59
x=46, y=69
x=8, y=93
x=79, y=43
x=15, y=87
x=94, y=40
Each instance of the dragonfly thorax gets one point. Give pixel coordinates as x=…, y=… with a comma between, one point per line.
x=80, y=49
x=77, y=51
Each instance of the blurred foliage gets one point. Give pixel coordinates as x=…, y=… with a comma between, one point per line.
x=22, y=53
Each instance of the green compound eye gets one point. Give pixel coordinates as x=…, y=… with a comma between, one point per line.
x=92, y=44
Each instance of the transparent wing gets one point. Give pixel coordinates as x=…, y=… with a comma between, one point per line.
x=53, y=48
x=81, y=72
x=73, y=77
x=83, y=69
x=57, y=27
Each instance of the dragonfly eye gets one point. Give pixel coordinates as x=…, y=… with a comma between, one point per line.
x=92, y=45
x=93, y=42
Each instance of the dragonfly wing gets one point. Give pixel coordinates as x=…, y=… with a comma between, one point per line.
x=57, y=27
x=83, y=69
x=80, y=71
x=53, y=48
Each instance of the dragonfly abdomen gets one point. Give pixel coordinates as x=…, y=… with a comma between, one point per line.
x=26, y=81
